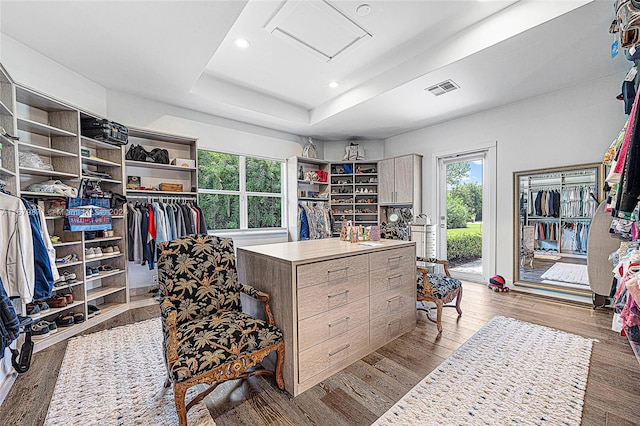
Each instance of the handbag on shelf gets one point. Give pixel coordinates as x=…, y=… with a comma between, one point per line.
x=156, y=155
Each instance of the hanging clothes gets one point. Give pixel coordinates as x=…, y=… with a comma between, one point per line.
x=43, y=274
x=157, y=222
x=318, y=219
x=9, y=323
x=17, y=271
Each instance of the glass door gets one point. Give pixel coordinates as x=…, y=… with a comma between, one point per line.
x=461, y=210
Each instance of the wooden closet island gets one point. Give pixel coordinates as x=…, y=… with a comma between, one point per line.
x=334, y=301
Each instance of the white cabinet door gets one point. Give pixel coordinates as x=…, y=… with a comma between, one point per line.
x=386, y=181
x=404, y=180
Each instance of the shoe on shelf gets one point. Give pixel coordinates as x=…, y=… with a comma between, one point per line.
x=65, y=259
x=93, y=310
x=97, y=251
x=89, y=253
x=89, y=235
x=40, y=329
x=42, y=305
x=88, y=273
x=69, y=277
x=33, y=310
x=65, y=320
x=60, y=282
x=107, y=250
x=78, y=317
x=52, y=327
x=95, y=271
x=116, y=250
x=68, y=297
x=54, y=239
x=105, y=268
x=57, y=302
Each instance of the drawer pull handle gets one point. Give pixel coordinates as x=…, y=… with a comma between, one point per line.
x=394, y=322
x=337, y=351
x=394, y=278
x=333, y=271
x=339, y=322
x=346, y=292
x=393, y=298
x=394, y=258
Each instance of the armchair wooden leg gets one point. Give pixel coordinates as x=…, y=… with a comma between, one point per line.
x=278, y=372
x=439, y=315
x=180, y=392
x=458, y=299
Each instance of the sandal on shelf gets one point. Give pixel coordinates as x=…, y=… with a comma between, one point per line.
x=65, y=320
x=105, y=268
x=78, y=317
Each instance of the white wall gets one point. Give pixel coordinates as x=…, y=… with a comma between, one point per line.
x=570, y=126
x=32, y=69
x=373, y=149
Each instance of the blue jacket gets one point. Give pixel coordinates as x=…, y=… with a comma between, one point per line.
x=9, y=324
x=43, y=272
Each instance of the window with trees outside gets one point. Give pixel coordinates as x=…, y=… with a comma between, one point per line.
x=240, y=192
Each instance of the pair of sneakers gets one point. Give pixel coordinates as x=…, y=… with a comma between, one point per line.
x=43, y=329
x=93, y=252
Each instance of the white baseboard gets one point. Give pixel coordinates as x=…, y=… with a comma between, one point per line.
x=5, y=387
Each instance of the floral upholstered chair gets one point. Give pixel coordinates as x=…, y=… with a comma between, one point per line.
x=207, y=337
x=438, y=288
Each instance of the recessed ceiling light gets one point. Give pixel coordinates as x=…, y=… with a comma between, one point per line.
x=333, y=84
x=363, y=10
x=242, y=43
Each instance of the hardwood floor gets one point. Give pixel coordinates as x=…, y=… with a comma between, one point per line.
x=362, y=392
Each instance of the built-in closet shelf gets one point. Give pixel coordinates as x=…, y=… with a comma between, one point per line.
x=147, y=165
x=48, y=152
x=4, y=110
x=36, y=194
x=67, y=243
x=6, y=141
x=96, y=144
x=5, y=172
x=66, y=286
x=151, y=192
x=312, y=199
x=307, y=182
x=52, y=217
x=99, y=162
x=107, y=308
x=99, y=292
x=66, y=265
x=117, y=217
x=102, y=275
x=103, y=257
x=101, y=239
x=42, y=129
x=99, y=179
x=36, y=100
x=53, y=311
x=47, y=173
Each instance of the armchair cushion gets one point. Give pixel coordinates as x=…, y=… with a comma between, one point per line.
x=198, y=276
x=218, y=339
x=442, y=285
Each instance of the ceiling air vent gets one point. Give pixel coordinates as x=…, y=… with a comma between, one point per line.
x=442, y=88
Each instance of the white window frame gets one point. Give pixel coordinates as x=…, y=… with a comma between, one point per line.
x=244, y=194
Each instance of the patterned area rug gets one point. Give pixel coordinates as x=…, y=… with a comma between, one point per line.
x=509, y=372
x=567, y=272
x=116, y=377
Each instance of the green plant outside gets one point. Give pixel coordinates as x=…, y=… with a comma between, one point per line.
x=464, y=244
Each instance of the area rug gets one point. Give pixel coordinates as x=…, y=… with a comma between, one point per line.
x=116, y=377
x=509, y=372
x=567, y=272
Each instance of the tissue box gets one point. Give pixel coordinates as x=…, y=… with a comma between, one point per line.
x=184, y=162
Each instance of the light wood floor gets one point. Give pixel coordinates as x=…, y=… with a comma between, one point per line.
x=362, y=392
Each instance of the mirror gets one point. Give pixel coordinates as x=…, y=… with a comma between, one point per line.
x=553, y=209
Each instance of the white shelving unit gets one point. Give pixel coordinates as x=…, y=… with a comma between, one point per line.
x=50, y=129
x=300, y=189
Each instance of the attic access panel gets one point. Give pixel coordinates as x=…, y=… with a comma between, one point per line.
x=317, y=27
